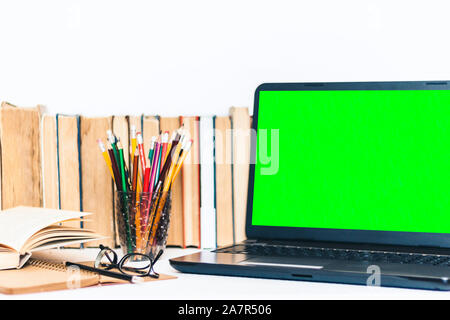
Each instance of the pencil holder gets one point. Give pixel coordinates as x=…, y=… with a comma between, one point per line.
x=142, y=221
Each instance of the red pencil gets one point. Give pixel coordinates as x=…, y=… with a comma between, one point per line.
x=141, y=153
x=146, y=179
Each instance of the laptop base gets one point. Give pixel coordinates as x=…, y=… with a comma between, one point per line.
x=315, y=269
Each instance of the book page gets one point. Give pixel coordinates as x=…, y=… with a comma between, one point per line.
x=17, y=225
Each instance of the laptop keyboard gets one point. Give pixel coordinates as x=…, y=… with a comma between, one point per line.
x=343, y=254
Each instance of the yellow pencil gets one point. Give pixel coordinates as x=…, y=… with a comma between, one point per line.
x=169, y=145
x=133, y=142
x=106, y=156
x=185, y=151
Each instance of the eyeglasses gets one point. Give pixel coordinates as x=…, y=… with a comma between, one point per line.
x=134, y=264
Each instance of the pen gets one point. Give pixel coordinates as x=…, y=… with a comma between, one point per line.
x=107, y=273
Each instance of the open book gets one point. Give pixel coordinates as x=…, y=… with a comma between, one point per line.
x=24, y=230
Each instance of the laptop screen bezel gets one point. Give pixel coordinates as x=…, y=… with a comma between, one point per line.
x=337, y=235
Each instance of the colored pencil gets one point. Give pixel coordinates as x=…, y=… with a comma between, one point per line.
x=152, y=148
x=169, y=145
x=154, y=167
x=122, y=167
x=169, y=157
x=165, y=142
x=133, y=142
x=135, y=171
x=105, y=156
x=141, y=152
x=146, y=179
x=183, y=155
x=115, y=168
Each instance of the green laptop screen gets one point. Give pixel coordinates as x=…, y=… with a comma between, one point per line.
x=362, y=160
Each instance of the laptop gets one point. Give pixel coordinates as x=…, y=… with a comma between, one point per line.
x=349, y=183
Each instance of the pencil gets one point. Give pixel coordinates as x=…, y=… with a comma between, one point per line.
x=146, y=179
x=141, y=152
x=135, y=171
x=169, y=157
x=172, y=168
x=105, y=156
x=150, y=152
x=183, y=155
x=108, y=273
x=122, y=167
x=125, y=197
x=112, y=141
x=158, y=165
x=154, y=167
x=134, y=187
x=169, y=145
x=115, y=168
x=165, y=142
x=133, y=142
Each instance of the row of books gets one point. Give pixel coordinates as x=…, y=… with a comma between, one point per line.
x=53, y=161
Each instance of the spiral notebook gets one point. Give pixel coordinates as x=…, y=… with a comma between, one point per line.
x=42, y=276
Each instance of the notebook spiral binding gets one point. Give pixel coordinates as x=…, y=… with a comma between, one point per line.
x=54, y=266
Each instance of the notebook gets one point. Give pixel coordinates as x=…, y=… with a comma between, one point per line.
x=42, y=276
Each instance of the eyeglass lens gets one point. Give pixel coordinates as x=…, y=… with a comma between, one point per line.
x=135, y=264
x=107, y=259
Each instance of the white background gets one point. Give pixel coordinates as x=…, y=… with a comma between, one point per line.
x=199, y=57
